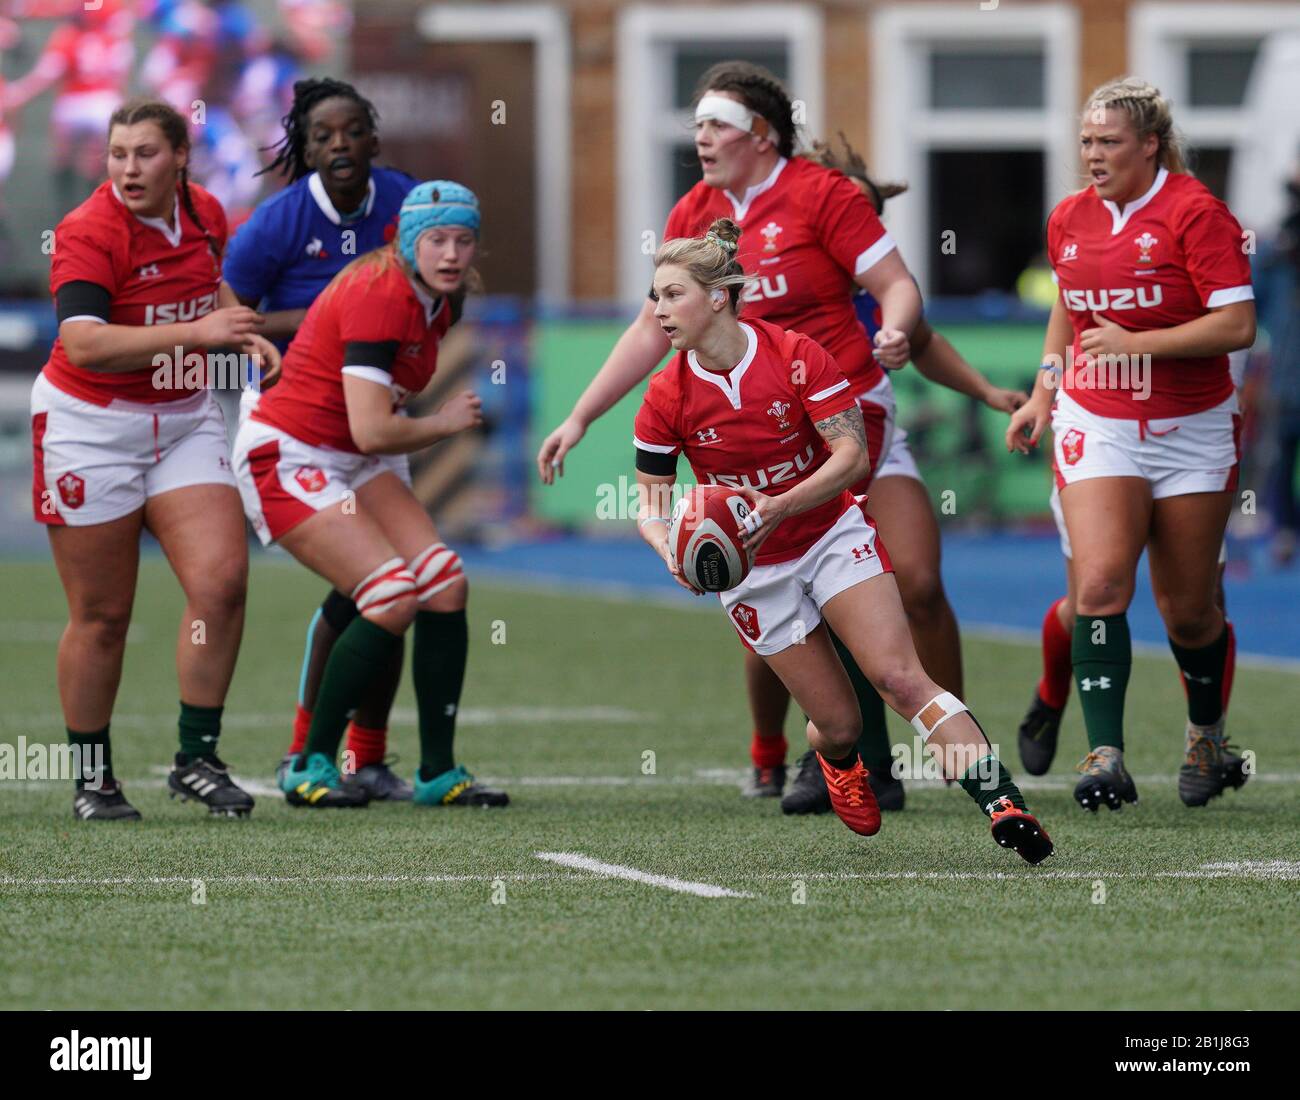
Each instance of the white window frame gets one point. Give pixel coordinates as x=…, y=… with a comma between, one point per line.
x=546, y=26
x=646, y=124
x=904, y=128
x=1159, y=36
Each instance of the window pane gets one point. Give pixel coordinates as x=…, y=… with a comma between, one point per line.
x=686, y=170
x=692, y=59
x=1211, y=165
x=1217, y=75
x=992, y=200
x=966, y=81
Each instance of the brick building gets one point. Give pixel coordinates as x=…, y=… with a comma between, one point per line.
x=571, y=117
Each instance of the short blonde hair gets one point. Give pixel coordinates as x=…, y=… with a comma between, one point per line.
x=1149, y=113
x=710, y=260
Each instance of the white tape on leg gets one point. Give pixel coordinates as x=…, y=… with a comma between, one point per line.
x=936, y=712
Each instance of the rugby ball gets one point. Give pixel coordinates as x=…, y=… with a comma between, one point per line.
x=705, y=537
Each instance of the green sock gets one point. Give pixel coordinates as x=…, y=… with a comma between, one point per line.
x=361, y=654
x=987, y=780
x=1204, y=671
x=438, y=672
x=200, y=727
x=873, y=744
x=1102, y=654
x=94, y=757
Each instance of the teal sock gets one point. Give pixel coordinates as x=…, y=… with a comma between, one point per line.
x=873, y=743
x=94, y=757
x=200, y=728
x=987, y=780
x=438, y=658
x=1102, y=654
x=362, y=653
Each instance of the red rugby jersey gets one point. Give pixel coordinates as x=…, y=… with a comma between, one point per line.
x=360, y=306
x=95, y=59
x=753, y=426
x=155, y=274
x=1166, y=259
x=808, y=231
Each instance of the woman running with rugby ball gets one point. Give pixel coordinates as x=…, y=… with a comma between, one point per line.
x=311, y=469
x=339, y=205
x=136, y=278
x=817, y=240
x=1155, y=291
x=816, y=549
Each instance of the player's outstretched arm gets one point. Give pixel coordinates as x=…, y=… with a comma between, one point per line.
x=1030, y=420
x=378, y=430
x=936, y=359
x=638, y=350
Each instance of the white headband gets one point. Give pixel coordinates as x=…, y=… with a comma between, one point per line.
x=719, y=108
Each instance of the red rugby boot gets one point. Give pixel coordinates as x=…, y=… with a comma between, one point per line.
x=852, y=798
x=1019, y=829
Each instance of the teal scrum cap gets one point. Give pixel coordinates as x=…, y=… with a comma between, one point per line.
x=431, y=204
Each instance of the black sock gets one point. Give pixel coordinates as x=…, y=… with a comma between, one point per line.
x=1203, y=675
x=438, y=656
x=94, y=757
x=844, y=763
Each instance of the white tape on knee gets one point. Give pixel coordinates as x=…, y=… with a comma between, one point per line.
x=936, y=712
x=390, y=582
x=435, y=568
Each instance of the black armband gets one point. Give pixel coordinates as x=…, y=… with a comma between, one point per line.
x=371, y=353
x=655, y=464
x=82, y=299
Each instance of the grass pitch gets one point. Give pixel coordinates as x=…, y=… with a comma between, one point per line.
x=392, y=907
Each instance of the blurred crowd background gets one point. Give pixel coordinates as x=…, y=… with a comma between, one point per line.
x=571, y=120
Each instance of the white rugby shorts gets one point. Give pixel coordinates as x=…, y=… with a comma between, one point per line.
x=779, y=605
x=97, y=463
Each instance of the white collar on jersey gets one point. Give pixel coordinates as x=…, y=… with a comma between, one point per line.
x=728, y=383
x=171, y=232
x=741, y=206
x=1118, y=220
x=428, y=301
x=317, y=190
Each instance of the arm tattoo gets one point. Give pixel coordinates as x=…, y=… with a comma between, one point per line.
x=849, y=423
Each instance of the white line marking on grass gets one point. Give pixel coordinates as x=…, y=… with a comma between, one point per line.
x=1251, y=869
x=631, y=874
x=289, y=880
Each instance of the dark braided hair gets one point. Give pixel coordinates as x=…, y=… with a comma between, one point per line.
x=760, y=91
x=290, y=157
x=850, y=162
x=177, y=134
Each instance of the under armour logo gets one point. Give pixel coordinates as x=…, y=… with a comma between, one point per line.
x=1102, y=682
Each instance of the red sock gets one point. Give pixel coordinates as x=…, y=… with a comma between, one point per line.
x=1229, y=665
x=367, y=745
x=301, y=724
x=767, y=752
x=1058, y=669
